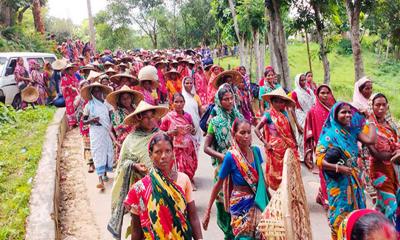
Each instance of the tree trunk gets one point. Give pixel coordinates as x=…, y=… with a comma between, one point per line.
x=6, y=15
x=353, y=12
x=320, y=38
x=262, y=53
x=242, y=54
x=257, y=53
x=91, y=26
x=308, y=51
x=37, y=17
x=21, y=13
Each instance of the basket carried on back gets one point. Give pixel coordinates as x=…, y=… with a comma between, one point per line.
x=287, y=216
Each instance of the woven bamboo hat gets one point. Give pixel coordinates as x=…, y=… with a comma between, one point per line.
x=30, y=94
x=59, y=64
x=159, y=112
x=172, y=71
x=113, y=97
x=86, y=91
x=149, y=73
x=235, y=75
x=111, y=70
x=108, y=64
x=117, y=78
x=93, y=76
x=87, y=67
x=279, y=92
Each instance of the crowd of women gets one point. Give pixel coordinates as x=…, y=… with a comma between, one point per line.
x=144, y=115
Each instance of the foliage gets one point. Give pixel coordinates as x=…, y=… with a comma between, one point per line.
x=344, y=47
x=18, y=164
x=7, y=114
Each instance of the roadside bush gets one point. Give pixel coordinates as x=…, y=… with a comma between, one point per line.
x=344, y=47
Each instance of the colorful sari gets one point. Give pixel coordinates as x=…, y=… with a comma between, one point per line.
x=220, y=126
x=278, y=133
x=359, y=101
x=161, y=206
x=200, y=83
x=185, y=146
x=314, y=123
x=305, y=99
x=345, y=193
x=173, y=87
x=245, y=104
x=69, y=86
x=40, y=84
x=385, y=174
x=121, y=130
x=192, y=105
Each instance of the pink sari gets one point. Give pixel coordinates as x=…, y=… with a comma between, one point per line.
x=184, y=143
x=200, y=82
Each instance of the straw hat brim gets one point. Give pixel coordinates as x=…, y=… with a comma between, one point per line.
x=167, y=74
x=117, y=77
x=159, y=112
x=58, y=65
x=30, y=94
x=85, y=92
x=267, y=97
x=112, y=98
x=236, y=78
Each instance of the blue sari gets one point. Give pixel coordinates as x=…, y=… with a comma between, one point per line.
x=345, y=193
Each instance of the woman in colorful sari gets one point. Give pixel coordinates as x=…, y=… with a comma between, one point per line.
x=124, y=102
x=134, y=161
x=162, y=89
x=367, y=224
x=192, y=105
x=211, y=90
x=173, y=83
x=337, y=153
x=248, y=199
x=278, y=135
x=267, y=85
x=38, y=81
x=384, y=169
x=245, y=101
x=200, y=83
x=148, y=81
x=97, y=114
x=217, y=142
x=161, y=203
x=312, y=129
x=310, y=82
x=305, y=100
x=362, y=92
x=69, y=88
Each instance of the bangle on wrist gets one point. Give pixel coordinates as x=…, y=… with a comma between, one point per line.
x=337, y=167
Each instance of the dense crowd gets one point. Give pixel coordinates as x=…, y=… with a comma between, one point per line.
x=143, y=115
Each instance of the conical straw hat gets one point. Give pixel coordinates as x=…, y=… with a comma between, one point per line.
x=112, y=98
x=93, y=76
x=172, y=71
x=85, y=92
x=279, y=92
x=59, y=64
x=30, y=94
x=143, y=106
x=117, y=77
x=149, y=73
x=236, y=78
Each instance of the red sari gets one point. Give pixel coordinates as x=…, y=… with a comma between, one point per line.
x=173, y=87
x=278, y=133
x=211, y=90
x=184, y=143
x=69, y=86
x=200, y=83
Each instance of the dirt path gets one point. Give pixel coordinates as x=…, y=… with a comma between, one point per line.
x=76, y=216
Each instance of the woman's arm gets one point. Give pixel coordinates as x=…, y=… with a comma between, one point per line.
x=336, y=168
x=194, y=221
x=209, y=150
x=214, y=193
x=136, y=228
x=381, y=156
x=370, y=138
x=299, y=127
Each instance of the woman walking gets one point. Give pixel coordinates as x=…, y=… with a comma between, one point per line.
x=97, y=115
x=249, y=197
x=337, y=153
x=38, y=81
x=267, y=85
x=179, y=125
x=200, y=83
x=192, y=105
x=217, y=142
x=161, y=203
x=278, y=134
x=69, y=89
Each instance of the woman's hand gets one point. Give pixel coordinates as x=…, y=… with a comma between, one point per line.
x=267, y=146
x=345, y=170
x=206, y=219
x=308, y=160
x=140, y=167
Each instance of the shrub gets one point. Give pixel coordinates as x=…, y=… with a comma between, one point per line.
x=344, y=47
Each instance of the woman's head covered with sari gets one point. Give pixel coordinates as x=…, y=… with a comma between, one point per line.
x=362, y=92
x=383, y=109
x=324, y=96
x=366, y=224
x=335, y=134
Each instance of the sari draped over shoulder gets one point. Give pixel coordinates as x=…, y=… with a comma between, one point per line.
x=161, y=206
x=121, y=130
x=385, y=174
x=345, y=193
x=200, y=82
x=279, y=133
x=68, y=82
x=359, y=101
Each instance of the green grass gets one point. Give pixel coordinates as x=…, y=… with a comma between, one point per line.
x=20, y=151
x=385, y=75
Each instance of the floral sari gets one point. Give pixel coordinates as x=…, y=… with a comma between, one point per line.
x=121, y=130
x=345, y=193
x=200, y=83
x=173, y=87
x=69, y=84
x=279, y=133
x=384, y=174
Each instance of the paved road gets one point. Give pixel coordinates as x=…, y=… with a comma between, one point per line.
x=100, y=201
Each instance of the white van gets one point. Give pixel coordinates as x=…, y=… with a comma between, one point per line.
x=8, y=60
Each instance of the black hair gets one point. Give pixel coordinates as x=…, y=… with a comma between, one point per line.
x=178, y=94
x=268, y=71
x=119, y=104
x=368, y=224
x=157, y=138
x=338, y=108
x=239, y=122
x=308, y=72
x=223, y=91
x=379, y=95
x=323, y=86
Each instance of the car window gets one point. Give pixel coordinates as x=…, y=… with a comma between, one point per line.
x=3, y=62
x=49, y=59
x=38, y=60
x=11, y=66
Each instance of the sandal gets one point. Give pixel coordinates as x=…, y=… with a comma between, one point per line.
x=91, y=168
x=100, y=186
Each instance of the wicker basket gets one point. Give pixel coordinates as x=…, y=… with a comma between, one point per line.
x=287, y=216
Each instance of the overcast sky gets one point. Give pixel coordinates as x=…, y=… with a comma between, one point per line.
x=76, y=10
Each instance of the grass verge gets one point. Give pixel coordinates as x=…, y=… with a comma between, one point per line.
x=20, y=151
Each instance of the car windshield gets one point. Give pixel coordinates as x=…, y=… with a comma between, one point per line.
x=3, y=62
